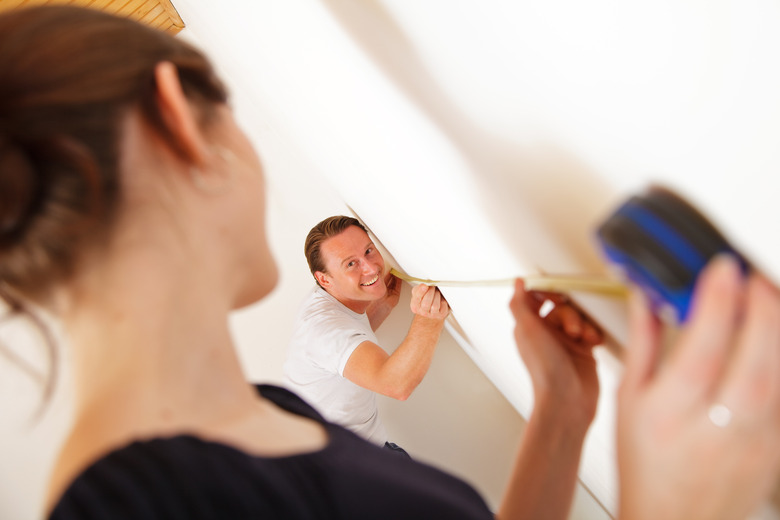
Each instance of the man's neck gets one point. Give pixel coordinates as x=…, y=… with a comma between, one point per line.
x=356, y=306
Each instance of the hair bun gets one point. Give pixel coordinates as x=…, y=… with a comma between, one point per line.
x=19, y=187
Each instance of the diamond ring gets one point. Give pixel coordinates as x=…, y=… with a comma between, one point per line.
x=719, y=415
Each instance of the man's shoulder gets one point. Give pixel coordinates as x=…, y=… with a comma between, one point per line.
x=321, y=304
x=323, y=317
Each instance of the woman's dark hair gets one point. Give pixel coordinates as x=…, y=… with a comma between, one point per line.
x=68, y=76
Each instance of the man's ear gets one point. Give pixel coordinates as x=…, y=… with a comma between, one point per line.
x=178, y=114
x=322, y=278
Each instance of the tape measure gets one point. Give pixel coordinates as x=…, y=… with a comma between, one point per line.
x=552, y=283
x=661, y=243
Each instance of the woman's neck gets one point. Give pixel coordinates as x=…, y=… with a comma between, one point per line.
x=151, y=356
x=158, y=340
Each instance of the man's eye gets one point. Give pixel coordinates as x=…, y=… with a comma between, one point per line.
x=369, y=250
x=351, y=264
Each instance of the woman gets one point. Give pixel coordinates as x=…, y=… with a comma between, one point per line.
x=128, y=196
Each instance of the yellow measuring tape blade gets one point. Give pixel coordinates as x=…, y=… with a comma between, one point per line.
x=541, y=282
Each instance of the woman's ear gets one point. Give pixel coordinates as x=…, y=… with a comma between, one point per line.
x=177, y=113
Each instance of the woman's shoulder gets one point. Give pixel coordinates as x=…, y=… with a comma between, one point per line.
x=184, y=476
x=289, y=401
x=152, y=478
x=188, y=477
x=171, y=477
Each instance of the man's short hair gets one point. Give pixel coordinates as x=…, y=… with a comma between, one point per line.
x=329, y=227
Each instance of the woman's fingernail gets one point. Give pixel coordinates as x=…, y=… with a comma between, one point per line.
x=546, y=308
x=724, y=261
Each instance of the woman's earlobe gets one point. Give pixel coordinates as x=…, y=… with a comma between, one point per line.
x=178, y=114
x=218, y=180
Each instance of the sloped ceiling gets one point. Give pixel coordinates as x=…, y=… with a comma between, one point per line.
x=159, y=14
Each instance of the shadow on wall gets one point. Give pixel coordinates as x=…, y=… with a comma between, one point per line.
x=518, y=183
x=545, y=186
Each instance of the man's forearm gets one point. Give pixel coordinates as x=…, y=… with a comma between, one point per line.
x=407, y=366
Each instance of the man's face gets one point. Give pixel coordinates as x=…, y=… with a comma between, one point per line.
x=354, y=269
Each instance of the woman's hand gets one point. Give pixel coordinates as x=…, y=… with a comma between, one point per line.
x=555, y=338
x=699, y=436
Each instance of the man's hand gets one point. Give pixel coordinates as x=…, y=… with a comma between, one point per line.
x=393, y=293
x=428, y=302
x=397, y=375
x=380, y=309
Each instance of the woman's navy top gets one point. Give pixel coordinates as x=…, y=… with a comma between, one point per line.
x=184, y=477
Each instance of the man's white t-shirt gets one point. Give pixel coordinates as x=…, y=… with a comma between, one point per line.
x=325, y=334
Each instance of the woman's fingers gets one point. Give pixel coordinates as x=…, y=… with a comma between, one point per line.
x=565, y=319
x=697, y=365
x=708, y=420
x=752, y=384
x=525, y=307
x=644, y=345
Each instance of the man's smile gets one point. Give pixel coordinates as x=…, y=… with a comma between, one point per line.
x=372, y=281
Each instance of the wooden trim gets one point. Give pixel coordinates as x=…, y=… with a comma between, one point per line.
x=173, y=14
x=160, y=14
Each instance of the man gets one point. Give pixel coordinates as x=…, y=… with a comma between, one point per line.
x=334, y=360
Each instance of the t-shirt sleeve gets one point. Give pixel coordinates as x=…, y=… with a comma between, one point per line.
x=332, y=341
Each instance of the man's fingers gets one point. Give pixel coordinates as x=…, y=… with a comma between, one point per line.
x=428, y=301
x=444, y=307
x=436, y=301
x=418, y=291
x=427, y=298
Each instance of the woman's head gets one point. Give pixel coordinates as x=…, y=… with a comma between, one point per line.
x=68, y=77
